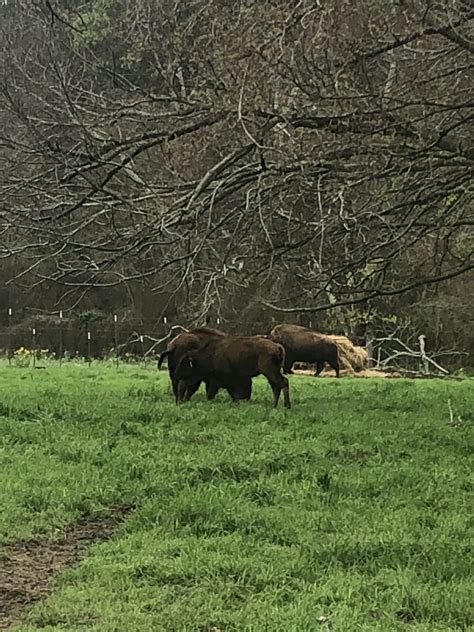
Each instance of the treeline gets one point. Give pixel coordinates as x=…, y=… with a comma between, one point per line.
x=442, y=314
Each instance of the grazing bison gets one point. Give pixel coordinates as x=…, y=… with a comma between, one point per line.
x=305, y=345
x=232, y=361
x=191, y=341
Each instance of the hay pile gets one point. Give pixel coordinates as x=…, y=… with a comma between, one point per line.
x=351, y=358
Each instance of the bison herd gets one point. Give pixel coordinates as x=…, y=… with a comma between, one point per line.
x=227, y=361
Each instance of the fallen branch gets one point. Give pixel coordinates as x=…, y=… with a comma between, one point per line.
x=407, y=352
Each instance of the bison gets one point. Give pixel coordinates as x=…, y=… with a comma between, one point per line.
x=232, y=360
x=305, y=345
x=193, y=340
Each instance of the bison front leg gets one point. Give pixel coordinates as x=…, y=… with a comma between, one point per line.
x=175, y=386
x=233, y=395
x=246, y=392
x=211, y=389
x=241, y=389
x=319, y=368
x=334, y=364
x=288, y=364
x=190, y=390
x=181, y=389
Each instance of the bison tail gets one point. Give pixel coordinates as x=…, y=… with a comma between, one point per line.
x=161, y=358
x=279, y=358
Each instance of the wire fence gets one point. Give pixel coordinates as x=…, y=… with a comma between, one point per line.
x=117, y=338
x=113, y=337
x=64, y=338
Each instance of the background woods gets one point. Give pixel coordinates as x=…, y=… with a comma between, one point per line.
x=249, y=161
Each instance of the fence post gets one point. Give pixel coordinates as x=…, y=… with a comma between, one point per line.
x=165, y=320
x=143, y=349
x=89, y=348
x=116, y=340
x=60, y=337
x=10, y=346
x=34, y=347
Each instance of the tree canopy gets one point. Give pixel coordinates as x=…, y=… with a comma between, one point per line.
x=296, y=156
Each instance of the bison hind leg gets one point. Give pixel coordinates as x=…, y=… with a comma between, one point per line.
x=280, y=383
x=276, y=393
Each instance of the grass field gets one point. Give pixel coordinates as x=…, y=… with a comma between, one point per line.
x=348, y=512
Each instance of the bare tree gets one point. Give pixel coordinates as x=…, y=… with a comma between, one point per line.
x=302, y=155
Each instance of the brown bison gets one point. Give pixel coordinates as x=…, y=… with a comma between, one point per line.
x=191, y=341
x=305, y=345
x=231, y=360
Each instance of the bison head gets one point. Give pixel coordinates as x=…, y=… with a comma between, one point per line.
x=187, y=370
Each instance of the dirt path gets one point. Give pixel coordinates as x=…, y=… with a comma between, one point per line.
x=28, y=568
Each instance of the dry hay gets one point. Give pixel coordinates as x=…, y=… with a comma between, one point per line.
x=300, y=368
x=351, y=357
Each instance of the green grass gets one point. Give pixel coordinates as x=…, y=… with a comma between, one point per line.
x=353, y=506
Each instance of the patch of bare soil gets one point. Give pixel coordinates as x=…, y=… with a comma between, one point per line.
x=28, y=568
